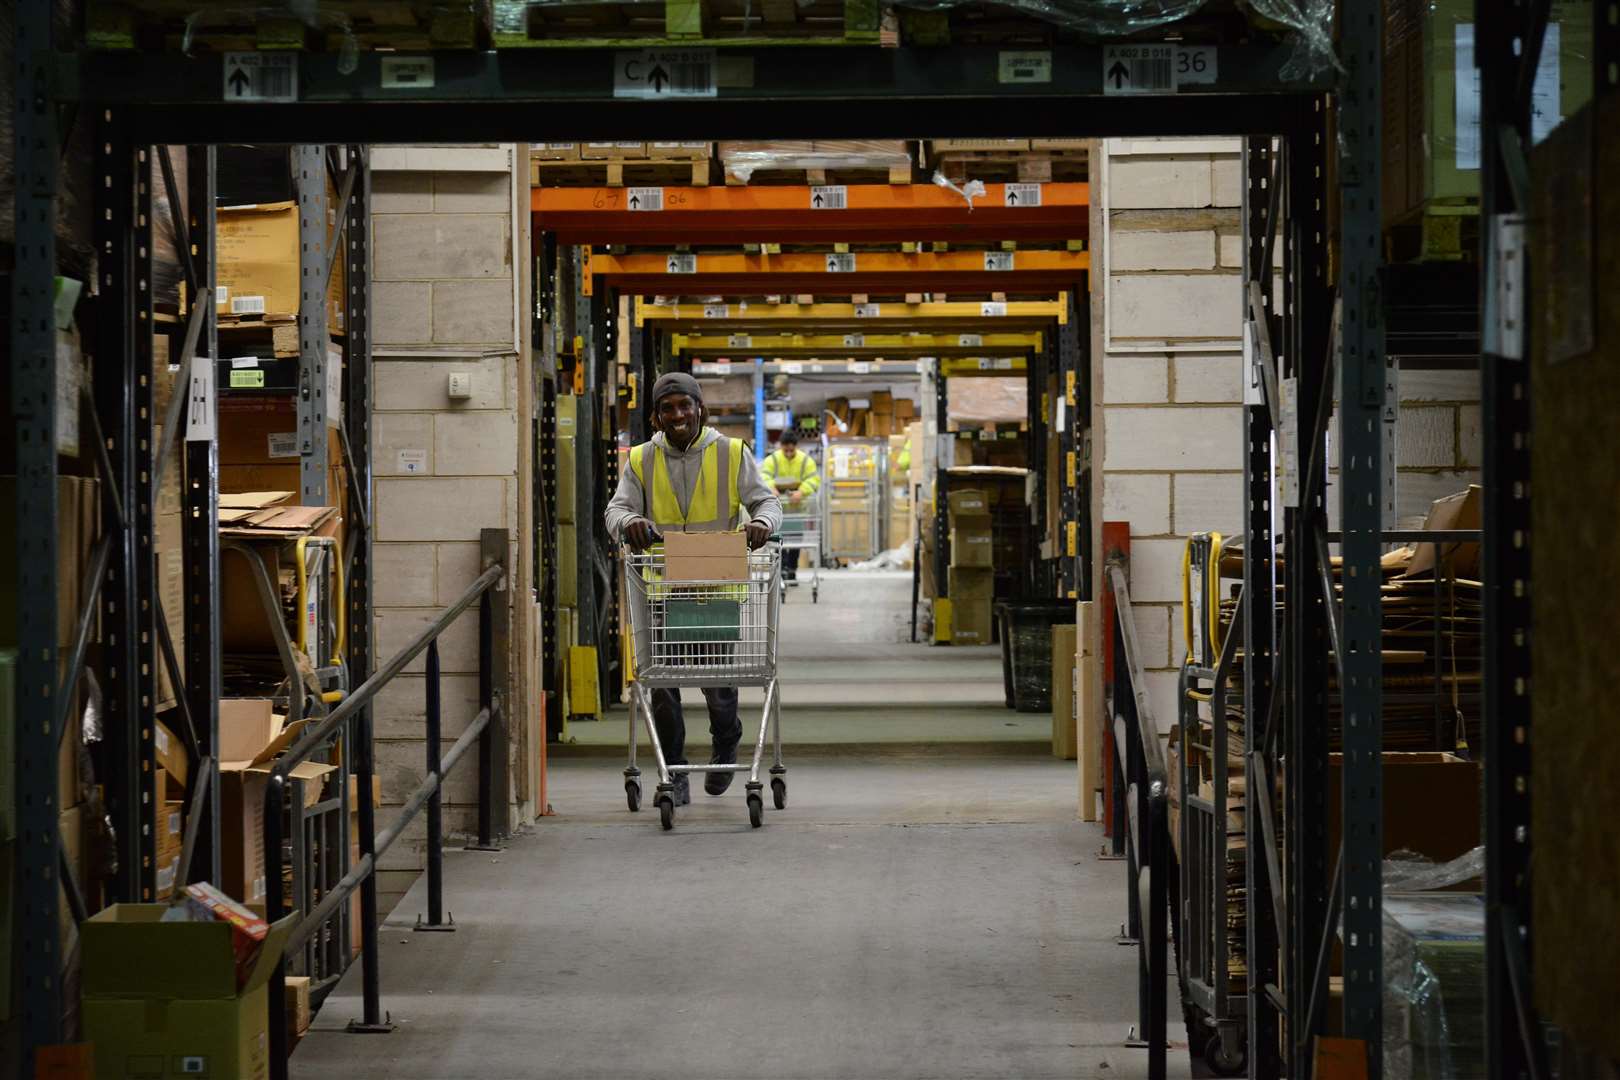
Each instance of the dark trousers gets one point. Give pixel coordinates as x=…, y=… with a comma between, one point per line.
x=725, y=728
x=790, y=563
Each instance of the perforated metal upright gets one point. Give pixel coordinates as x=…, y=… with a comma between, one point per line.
x=309, y=184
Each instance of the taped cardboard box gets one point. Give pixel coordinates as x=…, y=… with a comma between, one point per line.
x=258, y=273
x=705, y=556
x=968, y=502
x=972, y=543
x=156, y=991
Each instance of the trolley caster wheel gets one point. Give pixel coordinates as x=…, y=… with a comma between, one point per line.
x=632, y=794
x=1222, y=1063
x=779, y=793
x=756, y=811
x=666, y=812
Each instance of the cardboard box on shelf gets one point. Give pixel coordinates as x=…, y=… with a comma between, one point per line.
x=882, y=402
x=612, y=151
x=680, y=151
x=972, y=583
x=169, y=992
x=972, y=543
x=1064, y=659
x=970, y=622
x=258, y=271
x=968, y=502
x=251, y=735
x=1431, y=803
x=171, y=590
x=171, y=758
x=950, y=145
x=78, y=517
x=297, y=1007
x=705, y=556
x=554, y=151
x=1464, y=510
x=905, y=410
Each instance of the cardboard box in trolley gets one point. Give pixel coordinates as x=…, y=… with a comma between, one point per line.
x=705, y=556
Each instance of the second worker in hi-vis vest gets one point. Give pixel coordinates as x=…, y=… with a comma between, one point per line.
x=690, y=478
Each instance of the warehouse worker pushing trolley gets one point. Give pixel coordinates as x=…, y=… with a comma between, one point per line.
x=794, y=475
x=689, y=478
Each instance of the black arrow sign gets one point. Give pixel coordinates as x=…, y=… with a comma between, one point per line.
x=635, y=202
x=1120, y=74
x=817, y=199
x=1012, y=198
x=658, y=77
x=239, y=82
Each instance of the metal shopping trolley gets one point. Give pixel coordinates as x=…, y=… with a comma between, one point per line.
x=704, y=634
x=801, y=531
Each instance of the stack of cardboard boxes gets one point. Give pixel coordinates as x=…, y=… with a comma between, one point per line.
x=972, y=571
x=880, y=416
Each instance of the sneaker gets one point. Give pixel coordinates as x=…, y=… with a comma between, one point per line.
x=716, y=783
x=683, y=789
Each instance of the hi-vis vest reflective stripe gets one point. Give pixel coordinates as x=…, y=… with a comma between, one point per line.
x=721, y=458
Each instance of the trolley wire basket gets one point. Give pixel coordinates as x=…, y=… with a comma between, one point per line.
x=703, y=633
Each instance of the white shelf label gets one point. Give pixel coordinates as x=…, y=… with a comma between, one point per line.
x=835, y=197
x=740, y=341
x=645, y=198
x=841, y=264
x=868, y=311
x=247, y=305
x=200, y=424
x=992, y=310
x=681, y=264
x=1195, y=65
x=860, y=367
x=1025, y=66
x=793, y=368
x=854, y=341
x=970, y=341
x=661, y=74
x=407, y=72
x=1003, y=363
x=1139, y=69
x=1021, y=195
x=716, y=311
x=998, y=260
x=281, y=444
x=261, y=76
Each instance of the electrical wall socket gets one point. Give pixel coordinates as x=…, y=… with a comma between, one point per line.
x=460, y=385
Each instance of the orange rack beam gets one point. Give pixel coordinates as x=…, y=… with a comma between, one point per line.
x=789, y=215
x=877, y=272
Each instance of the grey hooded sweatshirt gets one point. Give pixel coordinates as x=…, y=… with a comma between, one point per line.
x=630, y=501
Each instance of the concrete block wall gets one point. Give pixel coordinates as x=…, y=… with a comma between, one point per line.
x=450, y=242
x=1166, y=318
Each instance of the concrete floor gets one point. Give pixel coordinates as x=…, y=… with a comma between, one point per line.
x=916, y=911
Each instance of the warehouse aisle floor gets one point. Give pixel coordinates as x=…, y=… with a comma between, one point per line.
x=920, y=909
x=907, y=916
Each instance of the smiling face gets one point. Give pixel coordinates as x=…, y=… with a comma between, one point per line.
x=680, y=418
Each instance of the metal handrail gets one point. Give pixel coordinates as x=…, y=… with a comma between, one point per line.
x=427, y=794
x=1142, y=786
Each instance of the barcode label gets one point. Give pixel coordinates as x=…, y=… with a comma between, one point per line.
x=992, y=310
x=854, y=341
x=407, y=72
x=1139, y=69
x=681, y=264
x=716, y=311
x=998, y=260
x=860, y=367
x=245, y=362
x=282, y=444
x=247, y=305
x=247, y=380
x=1004, y=363
x=841, y=264
x=664, y=73
x=868, y=311
x=646, y=198
x=741, y=341
x=261, y=76
x=1021, y=195
x=829, y=198
x=970, y=341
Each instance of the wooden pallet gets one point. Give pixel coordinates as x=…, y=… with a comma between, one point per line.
x=241, y=335
x=173, y=25
x=1023, y=167
x=626, y=173
x=519, y=24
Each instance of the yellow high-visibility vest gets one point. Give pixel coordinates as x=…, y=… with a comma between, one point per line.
x=705, y=513
x=802, y=468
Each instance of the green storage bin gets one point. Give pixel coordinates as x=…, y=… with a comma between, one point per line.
x=689, y=622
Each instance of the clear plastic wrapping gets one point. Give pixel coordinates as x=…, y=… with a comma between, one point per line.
x=1434, y=970
x=743, y=159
